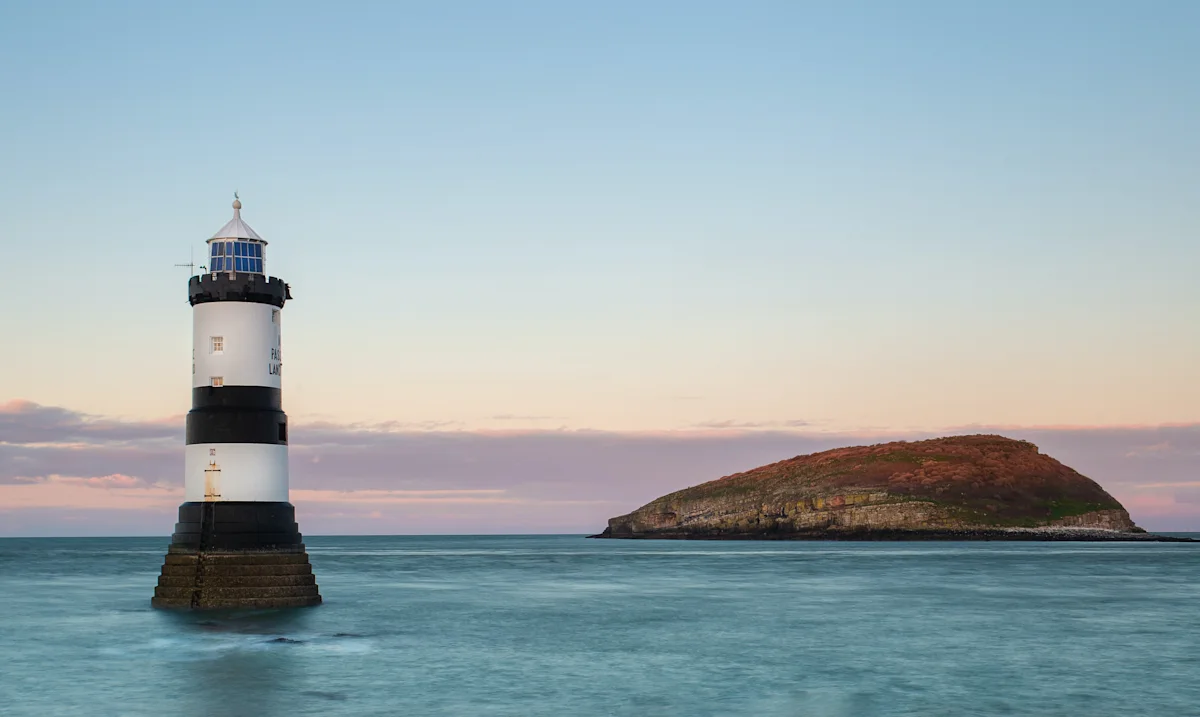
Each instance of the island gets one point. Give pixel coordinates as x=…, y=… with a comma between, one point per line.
x=980, y=487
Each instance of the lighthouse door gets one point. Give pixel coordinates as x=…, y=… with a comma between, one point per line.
x=212, y=478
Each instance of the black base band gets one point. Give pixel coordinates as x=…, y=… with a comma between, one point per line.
x=236, y=525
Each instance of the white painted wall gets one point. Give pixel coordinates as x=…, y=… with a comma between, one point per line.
x=252, y=349
x=248, y=471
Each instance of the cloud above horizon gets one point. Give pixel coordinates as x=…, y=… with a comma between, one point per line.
x=64, y=472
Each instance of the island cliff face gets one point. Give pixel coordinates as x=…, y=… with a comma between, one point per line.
x=960, y=487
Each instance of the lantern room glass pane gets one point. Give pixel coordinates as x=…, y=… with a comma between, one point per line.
x=244, y=256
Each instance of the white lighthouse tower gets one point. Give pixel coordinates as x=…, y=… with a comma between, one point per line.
x=237, y=430
x=236, y=543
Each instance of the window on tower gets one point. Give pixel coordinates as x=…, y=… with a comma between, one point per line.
x=218, y=381
x=218, y=344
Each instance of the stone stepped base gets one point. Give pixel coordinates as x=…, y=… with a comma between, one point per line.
x=226, y=579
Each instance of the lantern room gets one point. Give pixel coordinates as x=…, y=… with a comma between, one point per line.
x=236, y=247
x=235, y=255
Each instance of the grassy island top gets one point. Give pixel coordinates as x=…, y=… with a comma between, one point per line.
x=984, y=478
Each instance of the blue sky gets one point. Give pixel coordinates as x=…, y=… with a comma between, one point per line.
x=528, y=208
x=634, y=217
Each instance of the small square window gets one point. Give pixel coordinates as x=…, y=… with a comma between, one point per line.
x=218, y=381
x=218, y=344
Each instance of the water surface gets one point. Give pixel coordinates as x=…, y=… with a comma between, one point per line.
x=560, y=625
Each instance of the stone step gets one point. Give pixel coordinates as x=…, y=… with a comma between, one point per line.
x=236, y=581
x=237, y=558
x=231, y=579
x=187, y=550
x=237, y=570
x=259, y=603
x=220, y=593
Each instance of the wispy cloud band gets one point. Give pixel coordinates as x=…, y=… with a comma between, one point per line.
x=60, y=470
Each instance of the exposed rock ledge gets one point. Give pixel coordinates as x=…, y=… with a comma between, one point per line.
x=959, y=488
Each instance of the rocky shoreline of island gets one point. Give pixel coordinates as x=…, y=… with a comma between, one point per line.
x=899, y=535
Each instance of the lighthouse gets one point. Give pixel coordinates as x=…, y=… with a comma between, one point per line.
x=237, y=543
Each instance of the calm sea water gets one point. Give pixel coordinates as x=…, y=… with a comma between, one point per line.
x=558, y=625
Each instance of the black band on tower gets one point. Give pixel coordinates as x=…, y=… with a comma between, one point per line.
x=253, y=397
x=223, y=286
x=236, y=425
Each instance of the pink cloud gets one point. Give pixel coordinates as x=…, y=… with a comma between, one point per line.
x=114, y=480
x=89, y=493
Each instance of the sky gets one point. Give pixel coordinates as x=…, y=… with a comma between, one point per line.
x=728, y=230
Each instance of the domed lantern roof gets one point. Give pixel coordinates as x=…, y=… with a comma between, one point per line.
x=236, y=228
x=236, y=247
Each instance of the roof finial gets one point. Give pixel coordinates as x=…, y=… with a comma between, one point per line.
x=237, y=203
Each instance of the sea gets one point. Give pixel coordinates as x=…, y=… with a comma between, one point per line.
x=566, y=626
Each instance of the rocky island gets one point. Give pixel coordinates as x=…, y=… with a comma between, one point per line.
x=979, y=487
